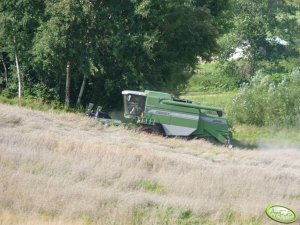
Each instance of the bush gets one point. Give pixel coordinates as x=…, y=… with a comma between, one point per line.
x=268, y=100
x=210, y=78
x=40, y=91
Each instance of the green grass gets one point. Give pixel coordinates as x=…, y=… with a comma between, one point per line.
x=37, y=104
x=170, y=215
x=212, y=99
x=154, y=187
x=232, y=217
x=269, y=136
x=210, y=78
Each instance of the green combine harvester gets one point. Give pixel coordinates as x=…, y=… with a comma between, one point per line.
x=159, y=112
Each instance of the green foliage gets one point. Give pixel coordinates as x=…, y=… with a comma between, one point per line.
x=34, y=103
x=12, y=89
x=257, y=20
x=223, y=99
x=111, y=45
x=18, y=21
x=268, y=100
x=42, y=92
x=255, y=26
x=210, y=78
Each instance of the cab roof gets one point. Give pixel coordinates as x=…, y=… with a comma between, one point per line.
x=126, y=92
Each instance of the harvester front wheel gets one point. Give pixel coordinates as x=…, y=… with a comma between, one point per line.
x=156, y=129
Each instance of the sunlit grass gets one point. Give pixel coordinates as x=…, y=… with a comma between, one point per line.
x=211, y=99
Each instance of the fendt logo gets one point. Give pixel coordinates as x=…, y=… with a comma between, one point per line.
x=281, y=214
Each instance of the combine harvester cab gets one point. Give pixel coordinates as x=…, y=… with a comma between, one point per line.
x=161, y=113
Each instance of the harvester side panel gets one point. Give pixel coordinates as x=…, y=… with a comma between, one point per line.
x=176, y=120
x=182, y=123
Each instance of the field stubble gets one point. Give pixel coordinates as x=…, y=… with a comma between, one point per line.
x=68, y=169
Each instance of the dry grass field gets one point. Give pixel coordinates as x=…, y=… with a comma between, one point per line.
x=66, y=169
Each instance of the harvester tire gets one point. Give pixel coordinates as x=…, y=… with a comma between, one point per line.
x=156, y=129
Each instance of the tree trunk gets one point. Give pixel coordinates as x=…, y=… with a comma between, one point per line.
x=81, y=91
x=68, y=82
x=5, y=73
x=18, y=71
x=19, y=76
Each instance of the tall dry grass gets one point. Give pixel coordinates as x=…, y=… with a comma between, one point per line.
x=68, y=169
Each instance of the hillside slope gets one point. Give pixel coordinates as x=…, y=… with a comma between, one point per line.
x=68, y=169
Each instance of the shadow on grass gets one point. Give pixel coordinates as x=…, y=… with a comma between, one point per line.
x=235, y=144
x=243, y=145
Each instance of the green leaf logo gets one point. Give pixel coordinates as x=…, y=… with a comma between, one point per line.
x=281, y=214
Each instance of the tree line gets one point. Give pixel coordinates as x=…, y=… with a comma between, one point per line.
x=80, y=51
